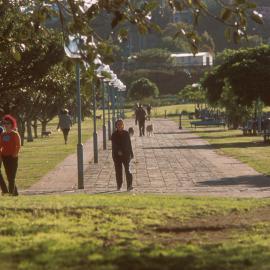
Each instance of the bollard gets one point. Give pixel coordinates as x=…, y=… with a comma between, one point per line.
x=180, y=121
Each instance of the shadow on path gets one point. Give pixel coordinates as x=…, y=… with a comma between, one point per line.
x=257, y=181
x=212, y=146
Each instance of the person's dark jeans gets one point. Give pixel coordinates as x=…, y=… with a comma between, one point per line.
x=3, y=185
x=65, y=133
x=141, y=127
x=119, y=172
x=11, y=165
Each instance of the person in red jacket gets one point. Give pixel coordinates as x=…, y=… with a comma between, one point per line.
x=10, y=144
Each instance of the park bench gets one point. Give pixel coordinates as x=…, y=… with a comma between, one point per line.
x=266, y=130
x=266, y=135
x=208, y=122
x=250, y=128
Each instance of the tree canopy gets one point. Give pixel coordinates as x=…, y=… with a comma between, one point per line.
x=246, y=71
x=143, y=88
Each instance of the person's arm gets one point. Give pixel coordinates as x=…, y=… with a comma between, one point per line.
x=130, y=147
x=17, y=142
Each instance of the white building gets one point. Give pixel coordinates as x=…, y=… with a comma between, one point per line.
x=188, y=59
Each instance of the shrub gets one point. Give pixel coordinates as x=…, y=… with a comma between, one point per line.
x=143, y=88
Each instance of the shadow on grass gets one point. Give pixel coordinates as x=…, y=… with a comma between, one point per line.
x=209, y=257
x=258, y=181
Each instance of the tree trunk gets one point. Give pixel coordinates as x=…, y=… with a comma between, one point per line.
x=43, y=126
x=29, y=131
x=21, y=130
x=35, y=126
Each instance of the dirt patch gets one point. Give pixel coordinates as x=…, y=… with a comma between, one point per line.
x=210, y=229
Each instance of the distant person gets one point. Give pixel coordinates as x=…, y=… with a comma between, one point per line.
x=122, y=154
x=140, y=118
x=65, y=123
x=10, y=144
x=135, y=112
x=148, y=109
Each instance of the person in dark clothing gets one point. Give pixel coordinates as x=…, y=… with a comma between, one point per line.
x=65, y=123
x=122, y=154
x=148, y=109
x=140, y=118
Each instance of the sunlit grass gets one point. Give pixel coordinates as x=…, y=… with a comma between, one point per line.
x=133, y=232
x=39, y=157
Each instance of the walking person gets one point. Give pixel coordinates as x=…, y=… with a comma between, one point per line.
x=10, y=144
x=65, y=123
x=122, y=154
x=140, y=118
x=148, y=109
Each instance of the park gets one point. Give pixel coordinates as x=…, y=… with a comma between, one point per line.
x=200, y=193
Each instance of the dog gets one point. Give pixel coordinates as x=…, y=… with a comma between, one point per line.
x=45, y=133
x=149, y=130
x=131, y=131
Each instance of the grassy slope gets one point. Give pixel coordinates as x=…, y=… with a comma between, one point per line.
x=133, y=232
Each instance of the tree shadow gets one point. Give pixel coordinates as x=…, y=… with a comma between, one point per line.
x=212, y=146
x=257, y=181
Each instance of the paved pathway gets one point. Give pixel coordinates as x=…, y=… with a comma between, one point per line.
x=170, y=161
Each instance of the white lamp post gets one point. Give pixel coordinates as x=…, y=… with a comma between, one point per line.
x=73, y=50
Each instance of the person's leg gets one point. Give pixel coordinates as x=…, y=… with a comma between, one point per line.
x=140, y=128
x=118, y=173
x=129, y=176
x=3, y=185
x=65, y=133
x=143, y=127
x=11, y=166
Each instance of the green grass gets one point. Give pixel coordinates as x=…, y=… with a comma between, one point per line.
x=171, y=109
x=39, y=157
x=133, y=232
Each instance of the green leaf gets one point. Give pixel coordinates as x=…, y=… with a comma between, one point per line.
x=225, y=14
x=16, y=54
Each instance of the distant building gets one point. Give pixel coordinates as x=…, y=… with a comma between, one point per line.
x=188, y=59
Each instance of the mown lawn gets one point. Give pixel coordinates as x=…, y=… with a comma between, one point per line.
x=39, y=157
x=134, y=232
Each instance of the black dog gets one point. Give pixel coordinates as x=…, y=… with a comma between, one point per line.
x=131, y=131
x=46, y=133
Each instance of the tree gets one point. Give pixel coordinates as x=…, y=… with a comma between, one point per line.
x=246, y=71
x=153, y=58
x=193, y=93
x=75, y=17
x=143, y=88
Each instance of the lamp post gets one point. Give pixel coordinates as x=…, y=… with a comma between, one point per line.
x=180, y=120
x=113, y=108
x=109, y=112
x=72, y=50
x=95, y=139
x=103, y=116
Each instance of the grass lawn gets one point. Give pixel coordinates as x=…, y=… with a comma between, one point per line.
x=171, y=109
x=39, y=157
x=134, y=232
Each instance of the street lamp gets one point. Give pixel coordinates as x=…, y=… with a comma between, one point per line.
x=73, y=50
